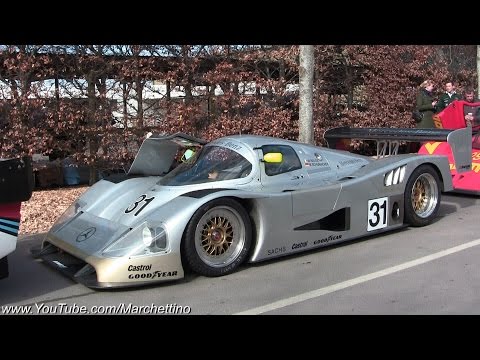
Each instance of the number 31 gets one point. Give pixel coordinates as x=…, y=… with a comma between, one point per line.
x=377, y=213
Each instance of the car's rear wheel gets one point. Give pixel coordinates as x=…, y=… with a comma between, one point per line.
x=218, y=238
x=422, y=196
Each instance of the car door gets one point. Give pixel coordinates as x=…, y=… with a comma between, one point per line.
x=287, y=175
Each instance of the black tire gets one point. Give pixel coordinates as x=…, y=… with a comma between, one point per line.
x=218, y=238
x=422, y=196
x=3, y=268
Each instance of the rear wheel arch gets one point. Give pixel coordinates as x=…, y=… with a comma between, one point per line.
x=439, y=173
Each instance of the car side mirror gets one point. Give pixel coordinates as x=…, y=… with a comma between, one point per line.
x=275, y=158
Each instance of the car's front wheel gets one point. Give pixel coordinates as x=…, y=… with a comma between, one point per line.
x=217, y=238
x=422, y=196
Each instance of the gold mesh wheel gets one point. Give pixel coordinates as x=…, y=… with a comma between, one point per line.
x=220, y=236
x=217, y=236
x=424, y=196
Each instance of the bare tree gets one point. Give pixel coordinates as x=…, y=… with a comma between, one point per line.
x=306, y=94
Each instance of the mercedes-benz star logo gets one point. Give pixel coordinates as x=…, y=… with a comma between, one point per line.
x=86, y=234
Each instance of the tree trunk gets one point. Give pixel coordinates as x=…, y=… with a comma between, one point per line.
x=92, y=141
x=306, y=68
x=125, y=103
x=139, y=89
x=168, y=91
x=188, y=93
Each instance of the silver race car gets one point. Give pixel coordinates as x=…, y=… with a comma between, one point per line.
x=239, y=199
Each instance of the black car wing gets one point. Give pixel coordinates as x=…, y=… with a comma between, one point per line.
x=16, y=179
x=460, y=140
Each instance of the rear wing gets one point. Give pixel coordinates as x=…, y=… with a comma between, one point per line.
x=388, y=140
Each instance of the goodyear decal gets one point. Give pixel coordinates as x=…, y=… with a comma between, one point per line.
x=153, y=275
x=9, y=226
x=150, y=274
x=327, y=239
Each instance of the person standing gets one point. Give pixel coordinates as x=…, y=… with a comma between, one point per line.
x=447, y=97
x=471, y=113
x=426, y=104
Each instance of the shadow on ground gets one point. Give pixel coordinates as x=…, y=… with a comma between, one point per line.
x=28, y=277
x=451, y=202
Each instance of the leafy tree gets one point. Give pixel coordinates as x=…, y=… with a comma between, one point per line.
x=97, y=102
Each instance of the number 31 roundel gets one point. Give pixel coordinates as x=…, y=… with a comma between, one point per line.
x=377, y=213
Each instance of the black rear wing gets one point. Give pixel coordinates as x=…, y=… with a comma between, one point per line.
x=388, y=139
x=16, y=179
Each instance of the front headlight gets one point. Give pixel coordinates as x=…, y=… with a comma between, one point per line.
x=145, y=239
x=147, y=236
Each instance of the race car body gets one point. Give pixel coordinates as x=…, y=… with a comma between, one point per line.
x=16, y=185
x=453, y=117
x=239, y=199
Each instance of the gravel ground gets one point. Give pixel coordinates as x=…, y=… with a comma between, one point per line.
x=45, y=206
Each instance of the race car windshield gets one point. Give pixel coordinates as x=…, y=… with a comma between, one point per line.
x=212, y=163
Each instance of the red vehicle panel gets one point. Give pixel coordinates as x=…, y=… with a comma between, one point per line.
x=453, y=118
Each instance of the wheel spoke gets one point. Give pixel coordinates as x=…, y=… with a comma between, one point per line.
x=424, y=195
x=220, y=236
